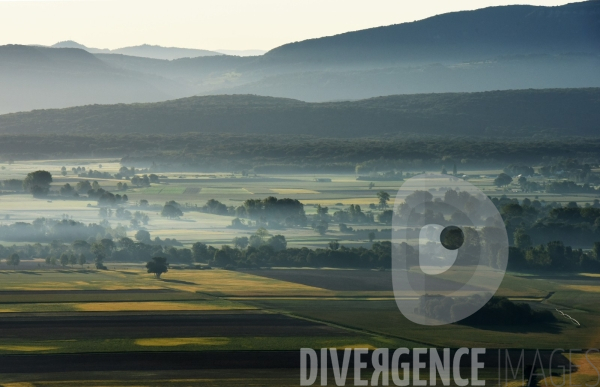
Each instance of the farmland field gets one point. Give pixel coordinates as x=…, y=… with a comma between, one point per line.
x=192, y=189
x=274, y=310
x=50, y=312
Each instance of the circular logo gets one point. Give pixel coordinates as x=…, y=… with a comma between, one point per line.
x=449, y=249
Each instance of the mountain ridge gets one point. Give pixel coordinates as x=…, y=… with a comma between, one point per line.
x=574, y=112
x=495, y=48
x=513, y=29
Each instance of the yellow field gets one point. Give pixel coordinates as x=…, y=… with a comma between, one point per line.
x=585, y=288
x=159, y=306
x=25, y=348
x=587, y=374
x=177, y=341
x=145, y=306
x=225, y=282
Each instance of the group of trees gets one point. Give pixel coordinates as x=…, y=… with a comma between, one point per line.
x=546, y=222
x=258, y=250
x=287, y=211
x=497, y=311
x=354, y=214
x=565, y=187
x=552, y=256
x=571, y=169
x=273, y=251
x=99, y=251
x=38, y=184
x=44, y=230
x=144, y=180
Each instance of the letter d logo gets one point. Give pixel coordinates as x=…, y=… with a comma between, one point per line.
x=449, y=249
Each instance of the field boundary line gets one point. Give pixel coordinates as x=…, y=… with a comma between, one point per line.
x=342, y=326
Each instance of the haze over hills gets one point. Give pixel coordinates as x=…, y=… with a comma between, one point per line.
x=158, y=52
x=39, y=77
x=145, y=51
x=568, y=112
x=495, y=48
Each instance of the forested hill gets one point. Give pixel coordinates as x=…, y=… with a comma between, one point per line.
x=570, y=112
x=465, y=35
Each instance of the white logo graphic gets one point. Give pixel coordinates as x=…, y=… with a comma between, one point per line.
x=449, y=249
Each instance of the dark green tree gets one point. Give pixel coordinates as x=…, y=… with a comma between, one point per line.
x=157, y=266
x=171, y=212
x=13, y=260
x=40, y=179
x=142, y=236
x=277, y=243
x=384, y=198
x=334, y=245
x=502, y=180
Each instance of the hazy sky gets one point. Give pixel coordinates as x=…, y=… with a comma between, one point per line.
x=210, y=24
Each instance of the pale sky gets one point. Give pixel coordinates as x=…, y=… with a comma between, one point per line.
x=211, y=24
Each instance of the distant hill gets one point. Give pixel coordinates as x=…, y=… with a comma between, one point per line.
x=242, y=52
x=496, y=48
x=556, y=112
x=524, y=72
x=168, y=53
x=73, y=44
x=40, y=77
x=145, y=51
x=460, y=36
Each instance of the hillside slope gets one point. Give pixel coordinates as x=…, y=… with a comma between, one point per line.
x=497, y=48
x=574, y=112
x=40, y=77
x=462, y=36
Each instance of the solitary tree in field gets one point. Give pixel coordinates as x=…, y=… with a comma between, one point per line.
x=371, y=236
x=384, y=197
x=13, y=259
x=99, y=251
x=157, y=266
